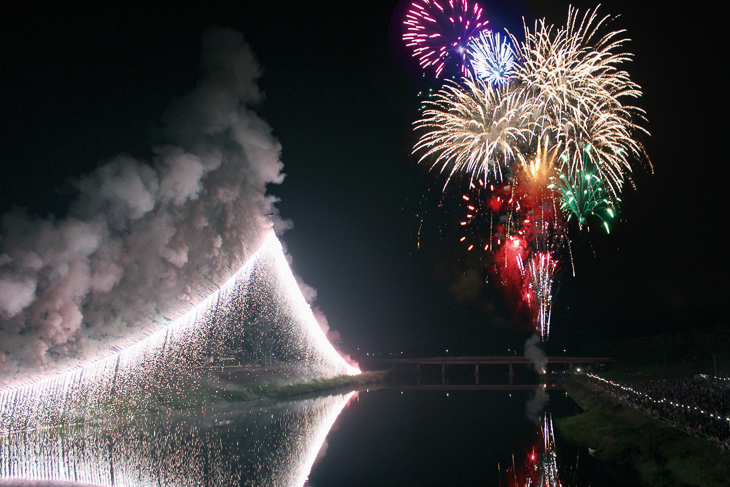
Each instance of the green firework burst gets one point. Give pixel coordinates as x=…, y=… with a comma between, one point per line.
x=582, y=194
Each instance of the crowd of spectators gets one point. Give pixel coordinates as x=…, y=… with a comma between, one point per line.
x=699, y=406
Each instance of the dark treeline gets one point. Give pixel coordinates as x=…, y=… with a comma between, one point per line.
x=707, y=349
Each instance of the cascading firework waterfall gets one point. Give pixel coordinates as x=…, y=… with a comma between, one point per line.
x=259, y=315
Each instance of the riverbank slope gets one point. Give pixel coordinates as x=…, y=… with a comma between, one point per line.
x=629, y=440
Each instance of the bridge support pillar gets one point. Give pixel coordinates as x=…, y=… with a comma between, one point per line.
x=476, y=373
x=418, y=374
x=511, y=375
x=443, y=374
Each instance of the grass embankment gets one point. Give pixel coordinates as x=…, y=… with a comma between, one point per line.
x=336, y=384
x=629, y=440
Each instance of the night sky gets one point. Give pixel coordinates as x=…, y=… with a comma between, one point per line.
x=81, y=84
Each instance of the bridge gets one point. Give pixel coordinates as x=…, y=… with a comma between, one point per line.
x=571, y=364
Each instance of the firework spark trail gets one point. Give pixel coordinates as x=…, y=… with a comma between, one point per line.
x=583, y=195
x=538, y=167
x=439, y=31
x=541, y=271
x=549, y=475
x=516, y=227
x=540, y=467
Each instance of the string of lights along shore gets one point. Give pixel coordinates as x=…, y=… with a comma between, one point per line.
x=538, y=135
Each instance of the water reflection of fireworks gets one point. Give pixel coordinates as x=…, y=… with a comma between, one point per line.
x=540, y=465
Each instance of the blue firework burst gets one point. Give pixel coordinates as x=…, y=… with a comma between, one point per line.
x=492, y=58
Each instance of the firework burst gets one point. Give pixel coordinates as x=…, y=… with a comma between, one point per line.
x=551, y=141
x=491, y=58
x=474, y=130
x=539, y=167
x=439, y=31
x=583, y=196
x=575, y=89
x=567, y=89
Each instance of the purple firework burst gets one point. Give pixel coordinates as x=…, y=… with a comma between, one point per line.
x=438, y=31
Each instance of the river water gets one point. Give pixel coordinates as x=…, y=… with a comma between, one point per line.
x=385, y=437
x=443, y=438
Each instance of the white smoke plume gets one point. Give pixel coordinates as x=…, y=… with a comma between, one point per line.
x=535, y=353
x=144, y=239
x=537, y=403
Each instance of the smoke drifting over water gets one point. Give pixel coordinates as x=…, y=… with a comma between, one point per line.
x=144, y=240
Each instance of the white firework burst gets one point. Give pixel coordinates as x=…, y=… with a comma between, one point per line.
x=567, y=89
x=473, y=129
x=571, y=79
x=491, y=58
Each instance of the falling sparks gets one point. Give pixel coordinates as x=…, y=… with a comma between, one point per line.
x=541, y=271
x=583, y=196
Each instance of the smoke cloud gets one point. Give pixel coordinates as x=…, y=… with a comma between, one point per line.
x=535, y=353
x=144, y=239
x=467, y=286
x=537, y=403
